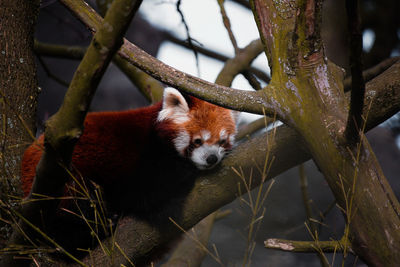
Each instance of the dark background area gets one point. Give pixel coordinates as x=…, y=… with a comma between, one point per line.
x=284, y=211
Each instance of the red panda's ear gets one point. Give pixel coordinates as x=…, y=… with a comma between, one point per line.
x=174, y=106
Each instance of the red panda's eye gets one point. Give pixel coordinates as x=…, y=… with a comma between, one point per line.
x=222, y=142
x=198, y=141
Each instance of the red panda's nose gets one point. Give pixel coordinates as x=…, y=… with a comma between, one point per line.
x=212, y=159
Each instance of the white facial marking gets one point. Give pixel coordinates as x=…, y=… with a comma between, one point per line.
x=200, y=155
x=181, y=142
x=223, y=134
x=205, y=135
x=232, y=139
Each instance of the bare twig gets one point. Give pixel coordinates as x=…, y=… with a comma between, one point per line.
x=64, y=128
x=198, y=204
x=50, y=74
x=241, y=100
x=259, y=73
x=307, y=246
x=227, y=25
x=189, y=38
x=193, y=248
x=310, y=220
x=249, y=77
x=149, y=87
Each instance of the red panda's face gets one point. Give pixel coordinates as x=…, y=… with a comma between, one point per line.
x=204, y=132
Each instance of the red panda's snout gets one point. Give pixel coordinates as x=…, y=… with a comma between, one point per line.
x=204, y=132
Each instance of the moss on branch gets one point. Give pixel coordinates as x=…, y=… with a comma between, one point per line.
x=312, y=100
x=215, y=189
x=64, y=128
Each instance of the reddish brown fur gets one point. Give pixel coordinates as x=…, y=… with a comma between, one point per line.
x=115, y=145
x=206, y=116
x=105, y=147
x=132, y=156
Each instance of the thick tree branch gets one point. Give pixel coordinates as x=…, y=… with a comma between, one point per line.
x=239, y=63
x=257, y=72
x=253, y=102
x=314, y=104
x=148, y=86
x=64, y=128
x=193, y=248
x=215, y=189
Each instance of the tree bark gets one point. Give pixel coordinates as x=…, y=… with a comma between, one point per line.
x=213, y=190
x=64, y=128
x=311, y=95
x=18, y=94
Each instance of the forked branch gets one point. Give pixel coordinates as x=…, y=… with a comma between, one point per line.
x=253, y=102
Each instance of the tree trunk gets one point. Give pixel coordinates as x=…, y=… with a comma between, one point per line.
x=18, y=92
x=309, y=92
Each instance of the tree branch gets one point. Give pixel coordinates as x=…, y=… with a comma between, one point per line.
x=64, y=128
x=252, y=127
x=193, y=248
x=313, y=228
x=257, y=72
x=253, y=102
x=215, y=189
x=307, y=246
x=227, y=25
x=315, y=105
x=372, y=72
x=354, y=119
x=148, y=86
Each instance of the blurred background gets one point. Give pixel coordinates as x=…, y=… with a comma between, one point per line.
x=159, y=29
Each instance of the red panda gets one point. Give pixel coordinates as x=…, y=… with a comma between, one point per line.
x=143, y=158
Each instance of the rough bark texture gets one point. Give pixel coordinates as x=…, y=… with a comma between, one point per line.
x=313, y=103
x=64, y=128
x=309, y=87
x=18, y=93
x=215, y=189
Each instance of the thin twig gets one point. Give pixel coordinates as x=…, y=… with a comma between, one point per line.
x=306, y=246
x=227, y=25
x=238, y=99
x=50, y=74
x=189, y=38
x=310, y=220
x=215, y=55
x=148, y=86
x=249, y=77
